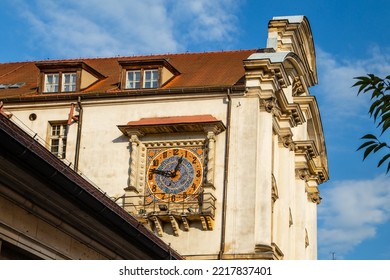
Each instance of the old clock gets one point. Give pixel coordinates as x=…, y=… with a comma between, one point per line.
x=174, y=174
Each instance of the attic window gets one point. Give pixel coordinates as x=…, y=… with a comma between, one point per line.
x=147, y=78
x=146, y=74
x=67, y=81
x=60, y=77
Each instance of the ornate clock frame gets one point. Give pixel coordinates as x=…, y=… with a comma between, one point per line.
x=153, y=194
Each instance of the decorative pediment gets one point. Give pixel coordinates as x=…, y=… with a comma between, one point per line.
x=197, y=123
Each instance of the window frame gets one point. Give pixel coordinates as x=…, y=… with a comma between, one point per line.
x=60, y=138
x=73, y=81
x=47, y=84
x=129, y=82
x=61, y=81
x=142, y=79
x=152, y=79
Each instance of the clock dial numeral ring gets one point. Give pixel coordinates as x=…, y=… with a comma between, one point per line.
x=175, y=174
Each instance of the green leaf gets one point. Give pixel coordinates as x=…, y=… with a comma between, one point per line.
x=380, y=146
x=363, y=86
x=385, y=117
x=385, y=126
x=369, y=150
x=368, y=143
x=377, y=112
x=375, y=104
x=359, y=83
x=370, y=88
x=383, y=159
x=369, y=136
x=363, y=78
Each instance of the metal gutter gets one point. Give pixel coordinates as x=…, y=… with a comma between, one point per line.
x=128, y=93
x=225, y=176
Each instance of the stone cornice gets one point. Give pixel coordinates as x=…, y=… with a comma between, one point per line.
x=307, y=148
x=310, y=163
x=290, y=111
x=201, y=123
x=271, y=76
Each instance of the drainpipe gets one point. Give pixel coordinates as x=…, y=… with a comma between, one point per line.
x=226, y=173
x=78, y=139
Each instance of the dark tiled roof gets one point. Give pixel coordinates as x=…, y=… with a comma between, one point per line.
x=208, y=69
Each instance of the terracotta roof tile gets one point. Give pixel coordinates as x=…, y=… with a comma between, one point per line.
x=208, y=69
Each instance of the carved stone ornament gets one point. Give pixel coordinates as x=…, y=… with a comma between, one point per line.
x=288, y=142
x=303, y=174
x=314, y=197
x=270, y=105
x=297, y=87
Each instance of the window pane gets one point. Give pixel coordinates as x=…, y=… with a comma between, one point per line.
x=56, y=130
x=51, y=83
x=151, y=78
x=54, y=146
x=69, y=82
x=133, y=79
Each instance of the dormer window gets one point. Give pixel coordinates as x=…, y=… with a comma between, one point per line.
x=148, y=74
x=148, y=78
x=65, y=77
x=68, y=82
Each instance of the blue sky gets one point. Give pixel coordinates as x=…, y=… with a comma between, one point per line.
x=351, y=39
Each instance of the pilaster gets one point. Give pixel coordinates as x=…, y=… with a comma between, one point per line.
x=263, y=207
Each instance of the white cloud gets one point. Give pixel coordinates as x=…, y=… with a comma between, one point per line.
x=91, y=28
x=351, y=214
x=207, y=21
x=336, y=78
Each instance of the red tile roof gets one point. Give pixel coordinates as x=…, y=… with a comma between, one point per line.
x=208, y=69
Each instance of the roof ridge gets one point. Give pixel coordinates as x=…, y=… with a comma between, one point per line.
x=171, y=54
x=130, y=56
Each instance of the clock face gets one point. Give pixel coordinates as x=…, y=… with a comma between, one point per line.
x=174, y=174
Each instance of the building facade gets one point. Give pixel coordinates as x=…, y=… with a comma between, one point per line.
x=219, y=154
